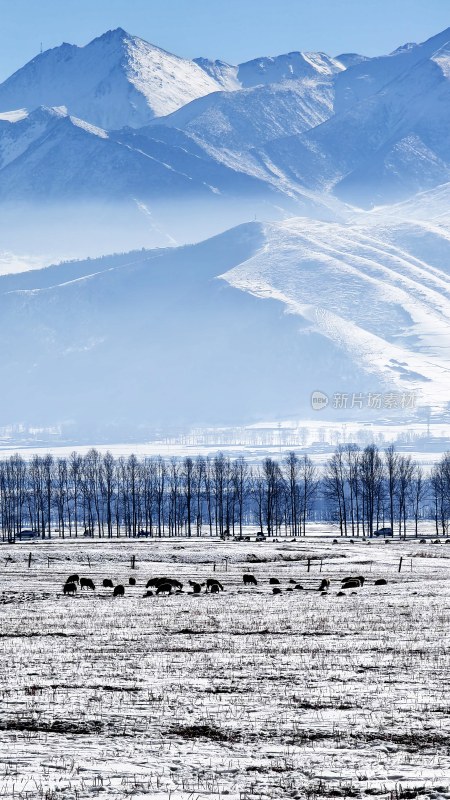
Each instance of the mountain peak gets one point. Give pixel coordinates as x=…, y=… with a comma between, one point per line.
x=116, y=80
x=112, y=36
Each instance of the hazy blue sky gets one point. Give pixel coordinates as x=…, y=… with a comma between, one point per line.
x=234, y=30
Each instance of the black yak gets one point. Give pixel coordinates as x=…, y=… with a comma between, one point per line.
x=213, y=582
x=164, y=588
x=87, y=583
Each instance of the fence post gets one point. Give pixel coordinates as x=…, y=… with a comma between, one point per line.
x=29, y=560
x=309, y=564
x=400, y=564
x=214, y=566
x=133, y=562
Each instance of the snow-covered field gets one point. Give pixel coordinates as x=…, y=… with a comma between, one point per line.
x=242, y=694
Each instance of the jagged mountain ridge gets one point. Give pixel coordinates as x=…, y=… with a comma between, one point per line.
x=368, y=130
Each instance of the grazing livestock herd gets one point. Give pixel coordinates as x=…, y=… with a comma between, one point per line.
x=168, y=586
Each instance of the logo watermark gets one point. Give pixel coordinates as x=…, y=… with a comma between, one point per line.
x=358, y=400
x=319, y=400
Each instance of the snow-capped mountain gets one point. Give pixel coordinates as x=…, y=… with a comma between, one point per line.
x=115, y=80
x=370, y=131
x=383, y=149
x=120, y=80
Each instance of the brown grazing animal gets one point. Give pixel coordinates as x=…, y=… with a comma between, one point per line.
x=119, y=590
x=73, y=579
x=381, y=582
x=69, y=588
x=132, y=581
x=276, y=590
x=325, y=584
x=298, y=586
x=86, y=583
x=108, y=584
x=249, y=580
x=215, y=588
x=273, y=580
x=196, y=587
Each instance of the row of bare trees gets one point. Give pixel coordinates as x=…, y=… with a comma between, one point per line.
x=368, y=489
x=360, y=489
x=114, y=496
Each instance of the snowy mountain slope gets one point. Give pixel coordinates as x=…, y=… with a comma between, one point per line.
x=386, y=147
x=53, y=156
x=369, y=76
x=225, y=74
x=153, y=341
x=245, y=119
x=399, y=335
x=115, y=80
x=198, y=334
